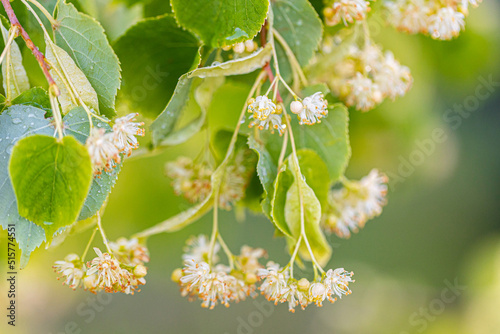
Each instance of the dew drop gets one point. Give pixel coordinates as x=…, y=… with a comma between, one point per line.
x=16, y=120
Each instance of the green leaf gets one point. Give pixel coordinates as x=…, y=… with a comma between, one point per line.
x=238, y=66
x=15, y=79
x=198, y=103
x=51, y=179
x=36, y=97
x=330, y=139
x=154, y=53
x=70, y=80
x=312, y=217
x=298, y=23
x=221, y=22
x=267, y=172
x=315, y=173
x=2, y=103
x=17, y=122
x=83, y=38
x=164, y=125
x=281, y=186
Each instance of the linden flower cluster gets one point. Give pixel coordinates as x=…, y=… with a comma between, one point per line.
x=266, y=115
x=217, y=284
x=311, y=109
x=350, y=207
x=443, y=19
x=279, y=287
x=346, y=11
x=366, y=76
x=193, y=180
x=105, y=148
x=123, y=273
x=243, y=47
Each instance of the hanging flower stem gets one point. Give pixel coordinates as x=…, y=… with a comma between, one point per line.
x=29, y=43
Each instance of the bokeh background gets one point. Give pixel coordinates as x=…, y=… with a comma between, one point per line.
x=441, y=227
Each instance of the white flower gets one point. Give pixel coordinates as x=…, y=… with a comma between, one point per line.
x=393, y=79
x=314, y=108
x=233, y=187
x=107, y=269
x=463, y=5
x=213, y=286
x=261, y=107
x=195, y=274
x=318, y=293
x=272, y=122
x=290, y=295
x=71, y=269
x=213, y=290
x=346, y=11
x=350, y=207
x=103, y=152
x=249, y=259
x=446, y=23
x=409, y=15
x=197, y=249
x=130, y=282
x=364, y=94
x=192, y=180
x=274, y=283
x=124, y=132
x=338, y=281
x=130, y=251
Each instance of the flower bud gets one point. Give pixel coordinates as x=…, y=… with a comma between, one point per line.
x=250, y=46
x=176, y=275
x=296, y=107
x=303, y=284
x=140, y=271
x=328, y=12
x=72, y=258
x=251, y=278
x=239, y=47
x=89, y=282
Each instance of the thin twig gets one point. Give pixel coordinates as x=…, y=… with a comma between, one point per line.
x=29, y=43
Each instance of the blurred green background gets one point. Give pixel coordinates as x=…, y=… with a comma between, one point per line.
x=440, y=228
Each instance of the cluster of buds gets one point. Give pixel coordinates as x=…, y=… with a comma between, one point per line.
x=243, y=47
x=364, y=77
x=107, y=272
x=217, y=283
x=190, y=179
x=193, y=180
x=265, y=114
x=350, y=207
x=346, y=11
x=441, y=19
x=105, y=148
x=279, y=287
x=310, y=110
